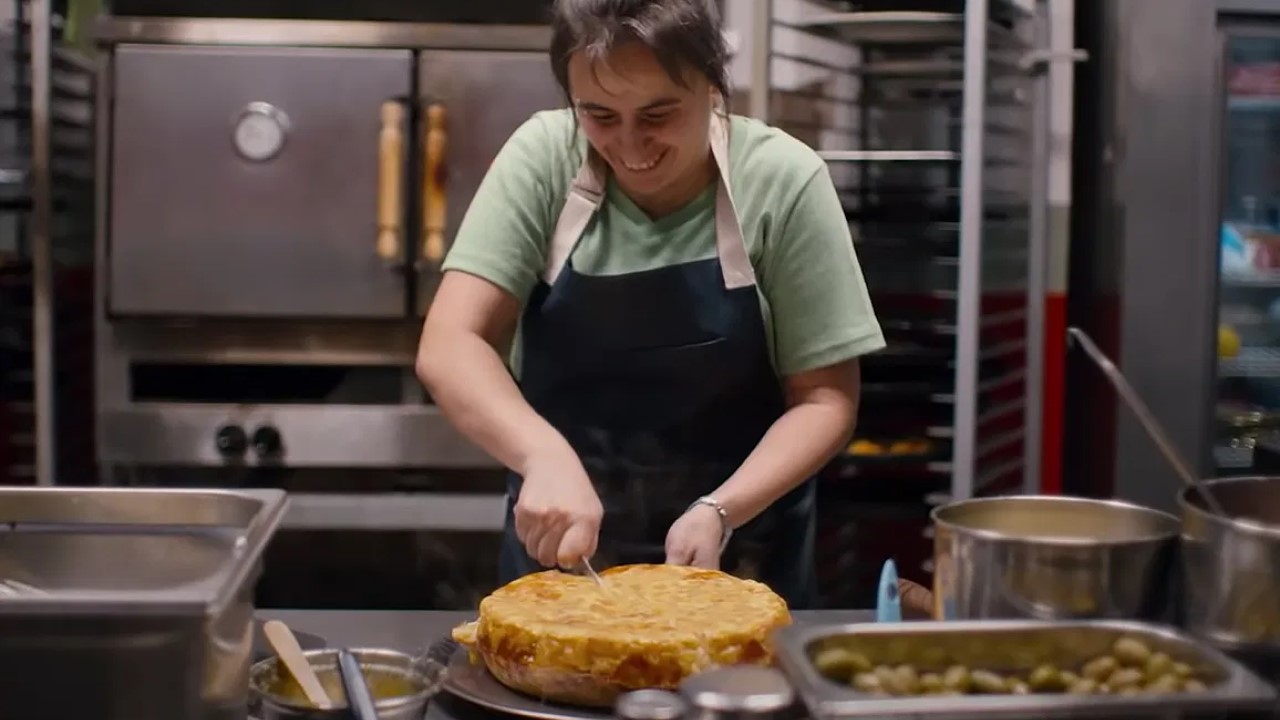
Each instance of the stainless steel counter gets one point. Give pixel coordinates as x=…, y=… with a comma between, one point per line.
x=412, y=630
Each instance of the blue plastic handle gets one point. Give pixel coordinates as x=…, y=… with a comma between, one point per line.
x=888, y=601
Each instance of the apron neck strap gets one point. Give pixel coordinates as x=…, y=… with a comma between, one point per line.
x=587, y=193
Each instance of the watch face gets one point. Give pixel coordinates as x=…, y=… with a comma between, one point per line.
x=260, y=132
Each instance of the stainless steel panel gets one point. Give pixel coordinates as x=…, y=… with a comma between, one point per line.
x=341, y=436
x=197, y=229
x=1150, y=224
x=486, y=95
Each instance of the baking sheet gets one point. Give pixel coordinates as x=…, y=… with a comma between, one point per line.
x=473, y=683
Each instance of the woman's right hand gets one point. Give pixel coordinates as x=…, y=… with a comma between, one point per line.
x=558, y=513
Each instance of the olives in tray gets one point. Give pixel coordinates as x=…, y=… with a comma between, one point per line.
x=1130, y=668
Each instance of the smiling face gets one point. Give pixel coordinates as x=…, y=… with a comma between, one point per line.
x=651, y=129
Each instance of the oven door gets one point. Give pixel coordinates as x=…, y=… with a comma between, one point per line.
x=463, y=129
x=245, y=182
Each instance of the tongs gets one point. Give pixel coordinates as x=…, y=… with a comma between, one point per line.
x=359, y=699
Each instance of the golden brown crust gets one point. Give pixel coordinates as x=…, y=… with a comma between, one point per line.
x=561, y=638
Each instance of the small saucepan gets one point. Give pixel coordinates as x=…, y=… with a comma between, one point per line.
x=402, y=685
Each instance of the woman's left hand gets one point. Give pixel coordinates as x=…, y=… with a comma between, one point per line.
x=694, y=538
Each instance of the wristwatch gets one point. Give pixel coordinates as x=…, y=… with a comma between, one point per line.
x=726, y=530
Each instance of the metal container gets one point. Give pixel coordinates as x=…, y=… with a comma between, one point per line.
x=650, y=704
x=1232, y=568
x=1009, y=646
x=129, y=603
x=1053, y=558
x=737, y=692
x=423, y=675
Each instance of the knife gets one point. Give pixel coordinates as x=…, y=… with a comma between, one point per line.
x=591, y=571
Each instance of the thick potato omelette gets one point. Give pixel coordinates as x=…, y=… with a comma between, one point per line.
x=562, y=638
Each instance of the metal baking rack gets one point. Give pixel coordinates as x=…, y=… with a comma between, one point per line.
x=47, y=205
x=932, y=117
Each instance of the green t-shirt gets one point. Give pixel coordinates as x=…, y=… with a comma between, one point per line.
x=813, y=296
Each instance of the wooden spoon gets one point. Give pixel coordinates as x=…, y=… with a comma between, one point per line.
x=286, y=646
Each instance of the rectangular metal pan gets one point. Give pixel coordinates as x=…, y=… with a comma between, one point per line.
x=1008, y=647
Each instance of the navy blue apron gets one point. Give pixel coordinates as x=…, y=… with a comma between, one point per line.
x=661, y=381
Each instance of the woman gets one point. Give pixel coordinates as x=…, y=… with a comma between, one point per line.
x=684, y=310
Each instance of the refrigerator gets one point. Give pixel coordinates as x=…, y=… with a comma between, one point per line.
x=1175, y=252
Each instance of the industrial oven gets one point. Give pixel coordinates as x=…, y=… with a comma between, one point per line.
x=276, y=197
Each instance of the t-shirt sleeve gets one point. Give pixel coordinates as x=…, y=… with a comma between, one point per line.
x=503, y=236
x=821, y=309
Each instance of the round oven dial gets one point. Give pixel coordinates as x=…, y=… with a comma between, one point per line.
x=260, y=131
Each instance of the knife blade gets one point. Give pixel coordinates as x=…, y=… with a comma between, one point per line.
x=591, y=572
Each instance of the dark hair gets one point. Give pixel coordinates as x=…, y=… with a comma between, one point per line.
x=682, y=33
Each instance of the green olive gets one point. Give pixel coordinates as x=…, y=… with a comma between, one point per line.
x=1045, y=678
x=867, y=682
x=1125, y=677
x=985, y=681
x=1132, y=668
x=1193, y=685
x=1100, y=668
x=931, y=683
x=890, y=681
x=1164, y=685
x=840, y=663
x=957, y=678
x=1131, y=652
x=1157, y=665
x=1083, y=686
x=907, y=679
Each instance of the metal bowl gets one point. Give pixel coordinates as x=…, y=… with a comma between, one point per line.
x=1232, y=565
x=424, y=677
x=1051, y=557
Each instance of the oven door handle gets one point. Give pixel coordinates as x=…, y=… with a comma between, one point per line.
x=390, y=242
x=434, y=200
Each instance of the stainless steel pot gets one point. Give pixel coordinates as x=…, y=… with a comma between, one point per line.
x=1232, y=565
x=425, y=678
x=1051, y=557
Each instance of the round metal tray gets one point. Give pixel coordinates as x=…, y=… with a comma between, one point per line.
x=472, y=682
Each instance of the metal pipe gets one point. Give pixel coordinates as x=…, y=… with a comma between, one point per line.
x=761, y=59
x=1037, y=255
x=42, y=313
x=969, y=289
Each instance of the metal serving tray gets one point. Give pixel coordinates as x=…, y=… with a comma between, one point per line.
x=140, y=599
x=1008, y=646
